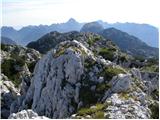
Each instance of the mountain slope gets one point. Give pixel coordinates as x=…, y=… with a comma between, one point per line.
x=94, y=27
x=128, y=43
x=7, y=41
x=149, y=34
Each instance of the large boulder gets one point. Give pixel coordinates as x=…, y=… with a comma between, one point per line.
x=120, y=83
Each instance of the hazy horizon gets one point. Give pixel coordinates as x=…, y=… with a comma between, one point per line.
x=20, y=27
x=21, y=13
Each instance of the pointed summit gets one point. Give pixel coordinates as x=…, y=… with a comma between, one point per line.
x=71, y=20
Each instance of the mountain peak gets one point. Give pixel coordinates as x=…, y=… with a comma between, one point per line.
x=71, y=20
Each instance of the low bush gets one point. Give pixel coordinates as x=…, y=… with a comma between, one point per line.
x=107, y=53
x=109, y=72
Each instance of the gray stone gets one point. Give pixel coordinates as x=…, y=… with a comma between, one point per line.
x=120, y=83
x=26, y=114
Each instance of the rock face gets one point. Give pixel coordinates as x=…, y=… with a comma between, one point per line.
x=132, y=45
x=26, y=114
x=8, y=95
x=16, y=64
x=120, y=83
x=5, y=40
x=55, y=83
x=60, y=79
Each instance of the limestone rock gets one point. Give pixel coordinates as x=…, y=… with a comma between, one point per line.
x=120, y=83
x=8, y=95
x=53, y=86
x=26, y=114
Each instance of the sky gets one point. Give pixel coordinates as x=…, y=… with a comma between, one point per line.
x=18, y=13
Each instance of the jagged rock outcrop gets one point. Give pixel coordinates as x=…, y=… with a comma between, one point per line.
x=150, y=79
x=60, y=79
x=8, y=95
x=26, y=114
x=54, y=83
x=70, y=78
x=120, y=83
x=72, y=81
x=16, y=65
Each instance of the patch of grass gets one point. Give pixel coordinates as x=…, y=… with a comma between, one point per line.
x=96, y=112
x=100, y=106
x=92, y=40
x=59, y=52
x=107, y=53
x=62, y=50
x=88, y=63
x=86, y=111
x=99, y=115
x=124, y=95
x=151, y=68
x=102, y=87
x=109, y=72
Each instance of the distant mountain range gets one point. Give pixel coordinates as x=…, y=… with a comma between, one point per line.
x=147, y=33
x=7, y=41
x=128, y=43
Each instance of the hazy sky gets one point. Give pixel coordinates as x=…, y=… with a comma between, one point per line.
x=19, y=13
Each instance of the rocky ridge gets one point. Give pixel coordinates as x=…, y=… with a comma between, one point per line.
x=17, y=64
x=72, y=81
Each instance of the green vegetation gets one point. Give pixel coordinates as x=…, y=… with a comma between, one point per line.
x=78, y=50
x=139, y=58
x=89, y=111
x=109, y=72
x=89, y=63
x=4, y=47
x=31, y=66
x=155, y=110
x=86, y=111
x=107, y=53
x=155, y=94
x=9, y=70
x=123, y=58
x=96, y=112
x=153, y=61
x=99, y=115
x=151, y=68
x=62, y=50
x=20, y=60
x=59, y=52
x=124, y=95
x=102, y=87
x=92, y=40
x=87, y=96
